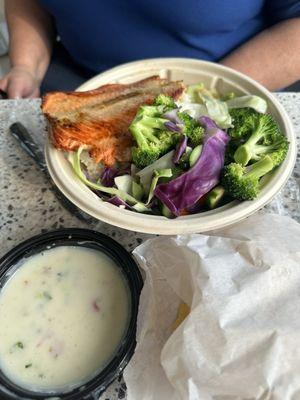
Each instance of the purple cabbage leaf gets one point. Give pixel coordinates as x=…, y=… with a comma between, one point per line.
x=171, y=126
x=207, y=122
x=117, y=201
x=185, y=190
x=172, y=116
x=180, y=149
x=108, y=176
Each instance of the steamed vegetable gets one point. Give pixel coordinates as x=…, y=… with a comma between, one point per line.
x=152, y=136
x=166, y=212
x=163, y=173
x=191, y=128
x=145, y=175
x=137, y=205
x=214, y=197
x=137, y=190
x=153, y=140
x=243, y=183
x=165, y=101
x=184, y=161
x=210, y=105
x=244, y=121
x=108, y=176
x=185, y=190
x=180, y=149
x=207, y=122
x=218, y=111
x=203, y=102
x=194, y=92
x=117, y=201
x=263, y=137
x=195, y=154
x=124, y=183
x=194, y=110
x=172, y=116
x=255, y=102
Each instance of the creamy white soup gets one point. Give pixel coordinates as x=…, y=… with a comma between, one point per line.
x=63, y=314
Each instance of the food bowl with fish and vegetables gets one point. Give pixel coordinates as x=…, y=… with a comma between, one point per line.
x=169, y=146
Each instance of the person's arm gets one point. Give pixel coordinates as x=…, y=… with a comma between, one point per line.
x=31, y=35
x=272, y=57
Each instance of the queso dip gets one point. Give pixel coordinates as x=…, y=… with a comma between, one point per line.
x=63, y=314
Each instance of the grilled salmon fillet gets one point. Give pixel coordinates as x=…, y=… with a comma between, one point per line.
x=100, y=118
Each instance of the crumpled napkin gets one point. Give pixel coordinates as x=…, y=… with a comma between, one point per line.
x=241, y=338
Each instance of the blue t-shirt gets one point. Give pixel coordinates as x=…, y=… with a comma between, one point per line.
x=102, y=33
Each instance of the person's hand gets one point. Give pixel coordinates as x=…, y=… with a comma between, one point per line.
x=20, y=83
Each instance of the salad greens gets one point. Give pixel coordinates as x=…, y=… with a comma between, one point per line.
x=192, y=155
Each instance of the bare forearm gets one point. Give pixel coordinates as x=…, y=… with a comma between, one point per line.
x=31, y=36
x=272, y=57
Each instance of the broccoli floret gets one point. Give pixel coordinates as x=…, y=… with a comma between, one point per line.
x=152, y=138
x=278, y=155
x=265, y=138
x=146, y=156
x=166, y=101
x=253, y=136
x=189, y=123
x=196, y=136
x=167, y=140
x=244, y=121
x=191, y=128
x=161, y=105
x=243, y=183
x=151, y=111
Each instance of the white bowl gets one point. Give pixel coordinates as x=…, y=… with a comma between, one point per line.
x=190, y=71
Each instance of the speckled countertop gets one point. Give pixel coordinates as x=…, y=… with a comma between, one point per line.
x=28, y=206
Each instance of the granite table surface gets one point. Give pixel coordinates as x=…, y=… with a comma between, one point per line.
x=28, y=205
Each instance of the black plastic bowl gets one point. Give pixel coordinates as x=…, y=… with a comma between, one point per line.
x=97, y=241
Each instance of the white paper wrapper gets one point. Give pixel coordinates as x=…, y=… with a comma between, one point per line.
x=241, y=338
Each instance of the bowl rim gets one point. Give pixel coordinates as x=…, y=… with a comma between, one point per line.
x=79, y=237
x=201, y=222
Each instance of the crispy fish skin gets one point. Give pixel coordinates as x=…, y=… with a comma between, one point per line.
x=100, y=118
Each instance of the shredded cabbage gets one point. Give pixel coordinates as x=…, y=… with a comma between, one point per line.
x=137, y=205
x=199, y=101
x=257, y=103
x=163, y=173
x=146, y=174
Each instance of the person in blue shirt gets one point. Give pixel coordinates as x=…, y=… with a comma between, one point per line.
x=260, y=38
